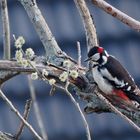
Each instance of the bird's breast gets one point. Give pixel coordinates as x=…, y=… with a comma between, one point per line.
x=101, y=82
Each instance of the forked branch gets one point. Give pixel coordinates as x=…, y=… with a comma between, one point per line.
x=9, y=103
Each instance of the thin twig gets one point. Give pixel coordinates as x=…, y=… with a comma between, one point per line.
x=19, y=115
x=79, y=109
x=134, y=24
x=25, y=116
x=79, y=53
x=81, y=113
x=37, y=111
x=6, y=29
x=90, y=29
x=77, y=106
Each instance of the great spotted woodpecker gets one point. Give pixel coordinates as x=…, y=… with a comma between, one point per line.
x=112, y=78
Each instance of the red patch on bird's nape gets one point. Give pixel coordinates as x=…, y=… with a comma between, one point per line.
x=121, y=94
x=100, y=49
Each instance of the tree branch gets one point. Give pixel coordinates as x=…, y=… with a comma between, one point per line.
x=6, y=29
x=41, y=27
x=81, y=113
x=65, y=88
x=91, y=36
x=9, y=103
x=115, y=110
x=84, y=88
x=134, y=24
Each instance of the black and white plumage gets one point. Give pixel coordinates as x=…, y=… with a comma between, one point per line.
x=112, y=78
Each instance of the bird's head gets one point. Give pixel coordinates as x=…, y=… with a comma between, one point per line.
x=97, y=55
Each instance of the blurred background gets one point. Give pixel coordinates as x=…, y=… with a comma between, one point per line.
x=60, y=117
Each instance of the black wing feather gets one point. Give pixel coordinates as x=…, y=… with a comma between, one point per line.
x=117, y=70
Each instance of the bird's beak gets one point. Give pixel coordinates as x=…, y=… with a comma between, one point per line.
x=88, y=59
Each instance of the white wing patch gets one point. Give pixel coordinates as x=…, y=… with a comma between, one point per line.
x=122, y=84
x=104, y=60
x=126, y=84
x=129, y=88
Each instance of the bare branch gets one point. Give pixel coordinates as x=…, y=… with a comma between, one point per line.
x=19, y=115
x=6, y=29
x=37, y=111
x=25, y=116
x=81, y=113
x=134, y=24
x=41, y=27
x=90, y=29
x=65, y=88
x=96, y=105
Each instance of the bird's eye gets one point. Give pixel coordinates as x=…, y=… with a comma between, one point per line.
x=96, y=57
